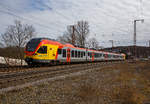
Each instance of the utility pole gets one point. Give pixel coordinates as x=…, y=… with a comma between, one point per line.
x=112, y=42
x=134, y=33
x=73, y=34
x=149, y=49
x=134, y=40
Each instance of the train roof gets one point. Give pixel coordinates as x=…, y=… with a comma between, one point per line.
x=54, y=42
x=40, y=39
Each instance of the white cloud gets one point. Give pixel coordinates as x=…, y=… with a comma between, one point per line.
x=51, y=17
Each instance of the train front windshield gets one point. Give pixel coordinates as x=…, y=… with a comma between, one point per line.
x=32, y=45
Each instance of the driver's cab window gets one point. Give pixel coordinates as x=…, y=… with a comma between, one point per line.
x=42, y=49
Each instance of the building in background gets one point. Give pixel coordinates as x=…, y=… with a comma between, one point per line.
x=141, y=51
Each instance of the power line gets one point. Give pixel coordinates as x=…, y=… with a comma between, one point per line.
x=69, y=18
x=15, y=10
x=12, y=14
x=9, y=12
x=24, y=19
x=141, y=8
x=103, y=13
x=53, y=10
x=108, y=15
x=58, y=12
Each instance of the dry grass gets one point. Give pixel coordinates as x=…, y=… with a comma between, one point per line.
x=127, y=83
x=128, y=95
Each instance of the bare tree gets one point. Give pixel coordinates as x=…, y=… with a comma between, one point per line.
x=17, y=36
x=69, y=36
x=1, y=44
x=76, y=34
x=93, y=43
x=82, y=31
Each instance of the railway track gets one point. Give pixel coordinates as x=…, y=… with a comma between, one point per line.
x=10, y=69
x=20, y=77
x=6, y=68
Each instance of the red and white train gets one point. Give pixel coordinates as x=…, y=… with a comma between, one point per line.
x=48, y=51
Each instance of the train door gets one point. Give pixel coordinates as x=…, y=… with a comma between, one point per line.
x=68, y=55
x=86, y=54
x=92, y=56
x=106, y=56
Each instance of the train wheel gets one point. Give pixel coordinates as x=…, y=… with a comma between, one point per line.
x=31, y=64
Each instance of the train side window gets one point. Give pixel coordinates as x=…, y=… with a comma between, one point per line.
x=76, y=54
x=83, y=53
x=95, y=55
x=114, y=56
x=100, y=55
x=90, y=54
x=64, y=52
x=79, y=53
x=59, y=51
x=110, y=56
x=72, y=53
x=103, y=55
x=42, y=49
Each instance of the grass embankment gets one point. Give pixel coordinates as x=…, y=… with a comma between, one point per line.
x=127, y=83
